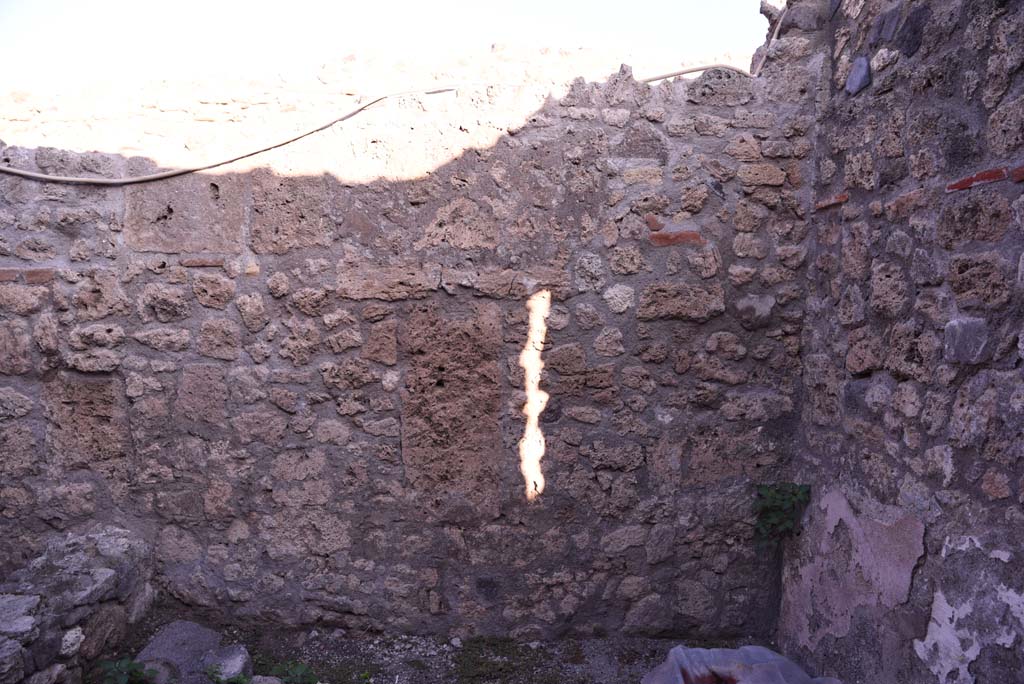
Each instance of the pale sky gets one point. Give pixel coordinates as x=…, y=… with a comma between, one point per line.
x=81, y=41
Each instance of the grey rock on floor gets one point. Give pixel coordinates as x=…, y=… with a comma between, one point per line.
x=183, y=652
x=746, y=665
x=228, y=661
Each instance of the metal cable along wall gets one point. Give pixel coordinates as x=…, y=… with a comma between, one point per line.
x=163, y=175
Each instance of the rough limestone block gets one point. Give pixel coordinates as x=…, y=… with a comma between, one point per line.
x=1006, y=128
x=228, y=661
x=452, y=387
x=15, y=348
x=178, y=648
x=683, y=301
x=88, y=419
x=12, y=666
x=720, y=87
x=288, y=213
x=16, y=620
x=979, y=280
x=190, y=214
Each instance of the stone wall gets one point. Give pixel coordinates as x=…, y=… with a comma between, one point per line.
x=307, y=391
x=913, y=400
x=74, y=602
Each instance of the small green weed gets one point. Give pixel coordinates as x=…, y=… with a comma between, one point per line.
x=262, y=663
x=350, y=673
x=125, y=671
x=294, y=672
x=417, y=664
x=779, y=507
x=492, y=659
x=214, y=673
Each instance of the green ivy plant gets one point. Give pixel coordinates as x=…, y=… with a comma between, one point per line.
x=125, y=671
x=779, y=507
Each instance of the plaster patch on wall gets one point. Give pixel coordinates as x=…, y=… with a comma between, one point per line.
x=966, y=543
x=968, y=617
x=861, y=559
x=1013, y=600
x=953, y=641
x=947, y=648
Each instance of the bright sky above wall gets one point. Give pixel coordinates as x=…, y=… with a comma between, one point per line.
x=78, y=41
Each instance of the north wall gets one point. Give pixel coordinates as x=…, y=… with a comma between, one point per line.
x=307, y=392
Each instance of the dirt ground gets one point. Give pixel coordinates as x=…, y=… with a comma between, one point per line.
x=334, y=656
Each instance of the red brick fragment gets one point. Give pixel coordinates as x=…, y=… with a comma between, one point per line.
x=841, y=198
x=201, y=262
x=980, y=178
x=8, y=275
x=677, y=237
x=653, y=222
x=39, y=276
x=1017, y=174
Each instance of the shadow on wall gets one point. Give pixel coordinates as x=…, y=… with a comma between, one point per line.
x=309, y=393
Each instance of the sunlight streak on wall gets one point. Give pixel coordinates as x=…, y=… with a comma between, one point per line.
x=531, y=446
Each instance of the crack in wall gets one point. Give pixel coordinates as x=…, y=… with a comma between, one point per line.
x=531, y=446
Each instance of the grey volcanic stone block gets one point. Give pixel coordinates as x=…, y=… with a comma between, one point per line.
x=16, y=620
x=67, y=604
x=229, y=661
x=47, y=676
x=966, y=340
x=177, y=650
x=884, y=28
x=755, y=311
x=860, y=76
x=12, y=665
x=746, y=665
x=94, y=586
x=911, y=35
x=804, y=18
